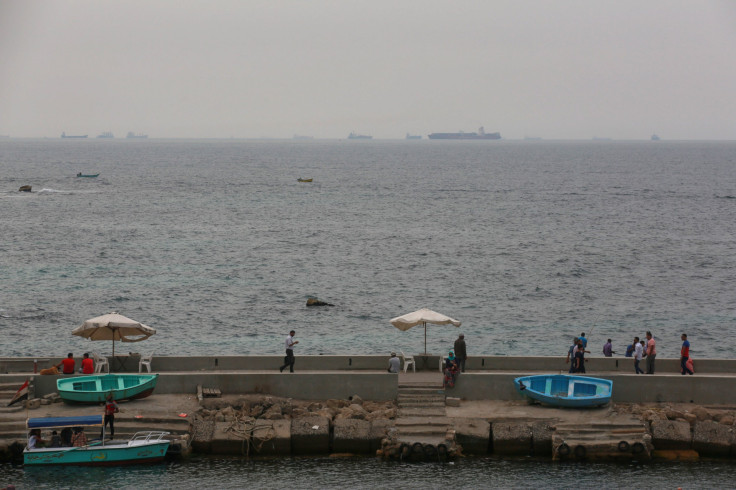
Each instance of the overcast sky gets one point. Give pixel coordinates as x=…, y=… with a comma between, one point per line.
x=571, y=69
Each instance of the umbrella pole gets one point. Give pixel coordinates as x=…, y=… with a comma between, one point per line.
x=425, y=338
x=113, y=349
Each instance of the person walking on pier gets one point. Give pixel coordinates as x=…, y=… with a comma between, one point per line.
x=685, y=355
x=638, y=349
x=289, y=357
x=460, y=352
x=651, y=353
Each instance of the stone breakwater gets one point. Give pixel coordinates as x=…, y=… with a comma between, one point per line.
x=267, y=426
x=262, y=425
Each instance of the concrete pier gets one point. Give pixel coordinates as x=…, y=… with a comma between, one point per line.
x=312, y=410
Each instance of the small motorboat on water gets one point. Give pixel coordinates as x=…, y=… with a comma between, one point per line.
x=143, y=447
x=25, y=188
x=304, y=180
x=94, y=389
x=89, y=176
x=562, y=390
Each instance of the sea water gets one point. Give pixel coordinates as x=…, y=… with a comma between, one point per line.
x=217, y=246
x=307, y=473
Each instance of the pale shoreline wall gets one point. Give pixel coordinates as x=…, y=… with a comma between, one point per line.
x=488, y=378
x=520, y=364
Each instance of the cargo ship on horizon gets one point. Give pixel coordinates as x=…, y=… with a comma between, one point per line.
x=480, y=135
x=132, y=135
x=66, y=136
x=356, y=136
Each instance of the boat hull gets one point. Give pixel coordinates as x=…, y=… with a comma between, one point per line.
x=99, y=455
x=94, y=389
x=464, y=136
x=566, y=391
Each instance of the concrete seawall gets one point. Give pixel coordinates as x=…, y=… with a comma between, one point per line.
x=487, y=378
x=489, y=417
x=521, y=364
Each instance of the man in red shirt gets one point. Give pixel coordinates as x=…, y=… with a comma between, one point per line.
x=68, y=364
x=88, y=365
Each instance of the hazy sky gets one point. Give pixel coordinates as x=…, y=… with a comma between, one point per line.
x=272, y=68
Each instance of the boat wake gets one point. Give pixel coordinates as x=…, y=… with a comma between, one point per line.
x=62, y=191
x=54, y=191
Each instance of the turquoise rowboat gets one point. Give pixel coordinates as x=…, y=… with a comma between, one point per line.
x=563, y=390
x=94, y=389
x=143, y=447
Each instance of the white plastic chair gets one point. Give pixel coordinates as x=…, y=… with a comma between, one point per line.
x=408, y=361
x=145, y=361
x=100, y=362
x=442, y=363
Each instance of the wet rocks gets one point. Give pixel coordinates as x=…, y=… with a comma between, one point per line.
x=316, y=302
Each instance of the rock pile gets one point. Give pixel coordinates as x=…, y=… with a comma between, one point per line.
x=267, y=425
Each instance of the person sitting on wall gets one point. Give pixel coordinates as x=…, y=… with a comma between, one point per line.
x=88, y=365
x=452, y=370
x=394, y=364
x=67, y=365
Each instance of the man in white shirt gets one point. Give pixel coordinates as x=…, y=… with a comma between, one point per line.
x=394, y=365
x=289, y=358
x=638, y=350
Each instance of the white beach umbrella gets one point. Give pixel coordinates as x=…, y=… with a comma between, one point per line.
x=114, y=326
x=422, y=317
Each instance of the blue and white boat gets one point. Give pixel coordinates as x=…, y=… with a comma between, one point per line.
x=562, y=390
x=143, y=447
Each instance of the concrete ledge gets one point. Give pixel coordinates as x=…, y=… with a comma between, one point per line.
x=351, y=436
x=523, y=364
x=271, y=438
x=542, y=438
x=627, y=388
x=712, y=439
x=512, y=438
x=302, y=386
x=473, y=435
x=310, y=435
x=671, y=435
x=225, y=442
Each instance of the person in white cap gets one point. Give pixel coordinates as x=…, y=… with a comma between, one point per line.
x=394, y=364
